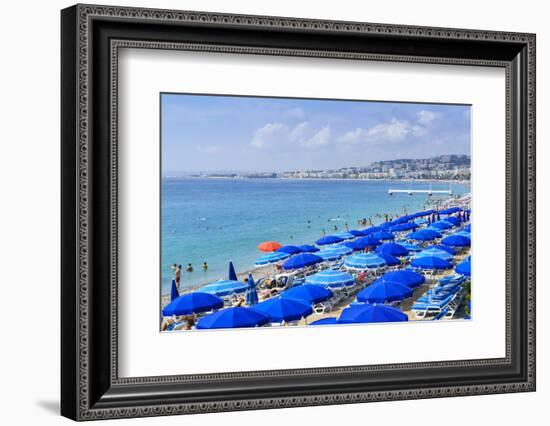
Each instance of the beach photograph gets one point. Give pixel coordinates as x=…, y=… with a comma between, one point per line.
x=285, y=212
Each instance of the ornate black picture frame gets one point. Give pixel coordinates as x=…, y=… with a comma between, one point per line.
x=91, y=37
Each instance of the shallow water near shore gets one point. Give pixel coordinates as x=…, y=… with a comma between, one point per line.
x=217, y=220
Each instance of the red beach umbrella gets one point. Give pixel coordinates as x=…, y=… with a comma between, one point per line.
x=269, y=246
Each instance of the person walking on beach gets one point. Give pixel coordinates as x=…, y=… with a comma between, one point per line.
x=189, y=268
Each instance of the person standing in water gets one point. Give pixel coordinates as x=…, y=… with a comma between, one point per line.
x=177, y=274
x=189, y=268
x=205, y=266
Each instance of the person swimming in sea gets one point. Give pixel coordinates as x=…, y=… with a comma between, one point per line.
x=189, y=268
x=205, y=266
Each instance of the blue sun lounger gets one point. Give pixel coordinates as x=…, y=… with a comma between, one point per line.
x=425, y=306
x=441, y=314
x=452, y=279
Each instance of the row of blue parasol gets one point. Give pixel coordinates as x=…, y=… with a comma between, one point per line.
x=338, y=245
x=436, y=257
x=362, y=313
x=296, y=303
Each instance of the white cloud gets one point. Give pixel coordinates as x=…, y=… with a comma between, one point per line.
x=321, y=138
x=268, y=133
x=394, y=130
x=353, y=136
x=303, y=134
x=426, y=117
x=299, y=131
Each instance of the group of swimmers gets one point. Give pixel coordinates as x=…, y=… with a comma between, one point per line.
x=178, y=268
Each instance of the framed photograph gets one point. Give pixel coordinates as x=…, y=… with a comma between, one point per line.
x=263, y=212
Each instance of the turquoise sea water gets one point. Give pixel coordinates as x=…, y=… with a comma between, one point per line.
x=217, y=220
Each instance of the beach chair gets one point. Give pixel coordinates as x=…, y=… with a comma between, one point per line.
x=324, y=307
x=426, y=305
x=441, y=314
x=454, y=279
x=175, y=326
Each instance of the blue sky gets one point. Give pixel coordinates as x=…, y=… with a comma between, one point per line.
x=229, y=133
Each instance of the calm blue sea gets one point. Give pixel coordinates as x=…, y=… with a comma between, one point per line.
x=217, y=220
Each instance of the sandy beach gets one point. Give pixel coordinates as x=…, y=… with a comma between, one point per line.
x=406, y=305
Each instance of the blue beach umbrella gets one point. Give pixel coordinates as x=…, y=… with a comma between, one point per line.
x=450, y=210
x=271, y=258
x=401, y=227
x=356, y=233
x=436, y=252
x=225, y=288
x=430, y=262
x=284, y=309
x=302, y=260
x=310, y=293
x=424, y=235
x=329, y=255
x=252, y=293
x=404, y=218
x=192, y=303
x=404, y=276
x=457, y=240
x=306, y=248
x=325, y=321
x=331, y=279
x=467, y=228
x=441, y=224
x=369, y=313
x=289, y=249
x=231, y=275
x=421, y=221
x=393, y=249
x=343, y=249
x=389, y=259
x=346, y=235
x=353, y=245
x=237, y=317
x=370, y=230
x=444, y=247
x=364, y=261
x=385, y=226
x=384, y=292
x=174, y=294
x=425, y=213
x=454, y=220
x=328, y=239
x=383, y=235
x=409, y=246
x=368, y=241
x=464, y=268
